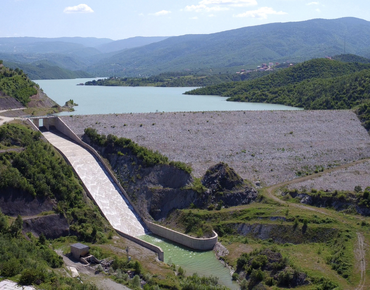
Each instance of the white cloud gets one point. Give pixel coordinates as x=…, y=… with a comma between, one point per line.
x=313, y=3
x=219, y=5
x=162, y=13
x=235, y=3
x=202, y=8
x=261, y=13
x=82, y=8
x=318, y=10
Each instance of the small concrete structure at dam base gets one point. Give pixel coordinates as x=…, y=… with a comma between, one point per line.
x=78, y=250
x=104, y=188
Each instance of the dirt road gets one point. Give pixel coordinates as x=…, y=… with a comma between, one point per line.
x=360, y=249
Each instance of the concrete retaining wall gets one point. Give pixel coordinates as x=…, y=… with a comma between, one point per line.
x=144, y=244
x=201, y=244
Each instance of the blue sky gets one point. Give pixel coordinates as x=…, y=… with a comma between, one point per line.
x=119, y=19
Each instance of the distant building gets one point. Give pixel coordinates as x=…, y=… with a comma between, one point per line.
x=79, y=250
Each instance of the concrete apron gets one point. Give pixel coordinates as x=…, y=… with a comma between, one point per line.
x=115, y=208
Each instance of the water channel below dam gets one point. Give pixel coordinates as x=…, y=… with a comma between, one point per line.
x=110, y=100
x=202, y=263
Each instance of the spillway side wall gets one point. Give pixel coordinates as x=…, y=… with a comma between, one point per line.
x=201, y=244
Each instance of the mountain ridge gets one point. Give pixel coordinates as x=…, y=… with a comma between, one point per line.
x=242, y=47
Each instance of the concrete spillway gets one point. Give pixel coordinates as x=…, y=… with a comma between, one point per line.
x=109, y=199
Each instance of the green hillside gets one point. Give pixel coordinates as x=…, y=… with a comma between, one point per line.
x=31, y=168
x=16, y=84
x=351, y=58
x=244, y=47
x=177, y=80
x=44, y=70
x=315, y=84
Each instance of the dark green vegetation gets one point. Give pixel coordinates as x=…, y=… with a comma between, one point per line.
x=178, y=80
x=123, y=146
x=351, y=202
x=30, y=260
x=363, y=112
x=313, y=85
x=41, y=172
x=351, y=58
x=267, y=265
x=15, y=84
x=45, y=70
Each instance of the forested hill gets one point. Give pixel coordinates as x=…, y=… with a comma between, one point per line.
x=47, y=71
x=242, y=48
x=319, y=84
x=304, y=85
x=16, y=84
x=18, y=91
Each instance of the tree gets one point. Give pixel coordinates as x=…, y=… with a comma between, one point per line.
x=135, y=283
x=42, y=239
x=3, y=222
x=16, y=227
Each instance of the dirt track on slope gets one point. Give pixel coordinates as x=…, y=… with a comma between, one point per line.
x=360, y=253
x=360, y=257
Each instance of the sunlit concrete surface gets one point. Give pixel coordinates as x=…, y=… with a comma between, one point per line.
x=106, y=195
x=10, y=285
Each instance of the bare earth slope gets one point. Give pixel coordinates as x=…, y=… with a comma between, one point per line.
x=271, y=146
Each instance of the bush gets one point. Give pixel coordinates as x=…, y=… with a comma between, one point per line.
x=135, y=283
x=32, y=276
x=235, y=276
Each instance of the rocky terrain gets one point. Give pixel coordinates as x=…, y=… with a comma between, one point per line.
x=7, y=103
x=159, y=189
x=270, y=146
x=343, y=179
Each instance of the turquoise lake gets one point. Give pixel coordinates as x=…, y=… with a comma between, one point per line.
x=106, y=100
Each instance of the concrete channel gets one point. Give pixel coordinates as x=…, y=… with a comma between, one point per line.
x=104, y=188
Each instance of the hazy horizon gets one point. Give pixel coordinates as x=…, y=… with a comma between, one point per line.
x=120, y=19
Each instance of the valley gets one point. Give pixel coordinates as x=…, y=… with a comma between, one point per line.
x=281, y=194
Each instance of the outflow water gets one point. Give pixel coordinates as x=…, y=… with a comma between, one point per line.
x=202, y=263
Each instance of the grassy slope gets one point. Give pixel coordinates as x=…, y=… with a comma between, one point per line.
x=310, y=257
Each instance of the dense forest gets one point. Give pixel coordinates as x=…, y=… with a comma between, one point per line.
x=177, y=79
x=319, y=84
x=309, y=70
x=16, y=84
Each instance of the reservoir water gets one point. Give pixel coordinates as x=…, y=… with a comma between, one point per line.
x=106, y=100
x=110, y=100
